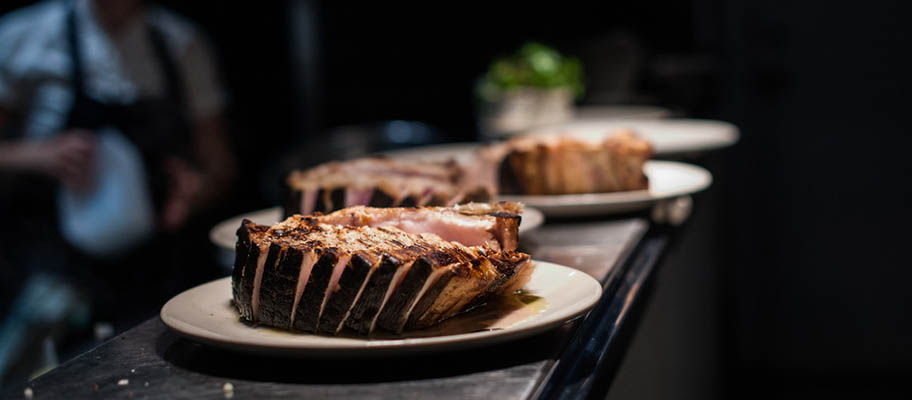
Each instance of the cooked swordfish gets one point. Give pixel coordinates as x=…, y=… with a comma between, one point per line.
x=379, y=182
x=369, y=268
x=558, y=164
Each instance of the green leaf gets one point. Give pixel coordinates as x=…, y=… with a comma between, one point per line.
x=534, y=65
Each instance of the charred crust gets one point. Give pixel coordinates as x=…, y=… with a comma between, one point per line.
x=277, y=288
x=336, y=199
x=436, y=200
x=505, y=214
x=308, y=313
x=379, y=198
x=392, y=316
x=341, y=301
x=508, y=179
x=321, y=199
x=369, y=303
x=292, y=202
x=476, y=194
x=441, y=258
x=428, y=299
x=409, y=201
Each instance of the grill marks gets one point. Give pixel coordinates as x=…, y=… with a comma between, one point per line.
x=393, y=316
x=307, y=262
x=268, y=257
x=340, y=302
x=461, y=284
x=370, y=301
x=278, y=286
x=333, y=286
x=538, y=164
x=242, y=274
x=326, y=200
x=310, y=276
x=307, y=314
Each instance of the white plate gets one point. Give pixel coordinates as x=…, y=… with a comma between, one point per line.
x=205, y=314
x=667, y=179
x=668, y=137
x=620, y=111
x=224, y=234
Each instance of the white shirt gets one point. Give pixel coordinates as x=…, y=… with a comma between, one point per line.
x=35, y=63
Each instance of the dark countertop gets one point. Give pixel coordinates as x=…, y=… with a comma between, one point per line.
x=563, y=362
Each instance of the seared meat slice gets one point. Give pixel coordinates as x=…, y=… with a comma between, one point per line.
x=452, y=289
x=472, y=224
x=310, y=304
x=393, y=316
x=358, y=269
x=374, y=294
x=378, y=182
x=544, y=165
x=277, y=285
x=343, y=295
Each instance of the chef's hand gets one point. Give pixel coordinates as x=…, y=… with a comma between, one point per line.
x=69, y=157
x=183, y=195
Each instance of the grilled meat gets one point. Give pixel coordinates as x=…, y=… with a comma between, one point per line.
x=368, y=268
x=547, y=165
x=379, y=182
x=470, y=224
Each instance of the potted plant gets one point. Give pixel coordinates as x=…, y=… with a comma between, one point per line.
x=535, y=86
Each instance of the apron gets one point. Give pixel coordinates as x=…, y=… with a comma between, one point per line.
x=134, y=140
x=158, y=127
x=146, y=273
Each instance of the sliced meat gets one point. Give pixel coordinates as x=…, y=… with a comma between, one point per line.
x=351, y=284
x=359, y=269
x=307, y=312
x=378, y=182
x=394, y=313
x=472, y=224
x=457, y=286
x=277, y=287
x=371, y=299
x=546, y=165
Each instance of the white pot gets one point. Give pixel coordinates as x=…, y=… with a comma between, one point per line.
x=521, y=109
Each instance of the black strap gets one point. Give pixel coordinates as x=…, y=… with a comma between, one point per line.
x=76, y=70
x=173, y=82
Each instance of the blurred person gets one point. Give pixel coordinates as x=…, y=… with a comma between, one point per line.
x=112, y=144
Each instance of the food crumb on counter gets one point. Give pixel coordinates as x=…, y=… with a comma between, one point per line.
x=123, y=382
x=29, y=393
x=133, y=371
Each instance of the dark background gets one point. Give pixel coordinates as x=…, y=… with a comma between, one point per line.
x=802, y=245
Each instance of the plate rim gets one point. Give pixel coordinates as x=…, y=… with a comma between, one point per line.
x=729, y=132
x=628, y=196
x=729, y=136
x=358, y=347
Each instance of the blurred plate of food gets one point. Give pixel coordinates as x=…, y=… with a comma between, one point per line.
x=667, y=180
x=668, y=136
